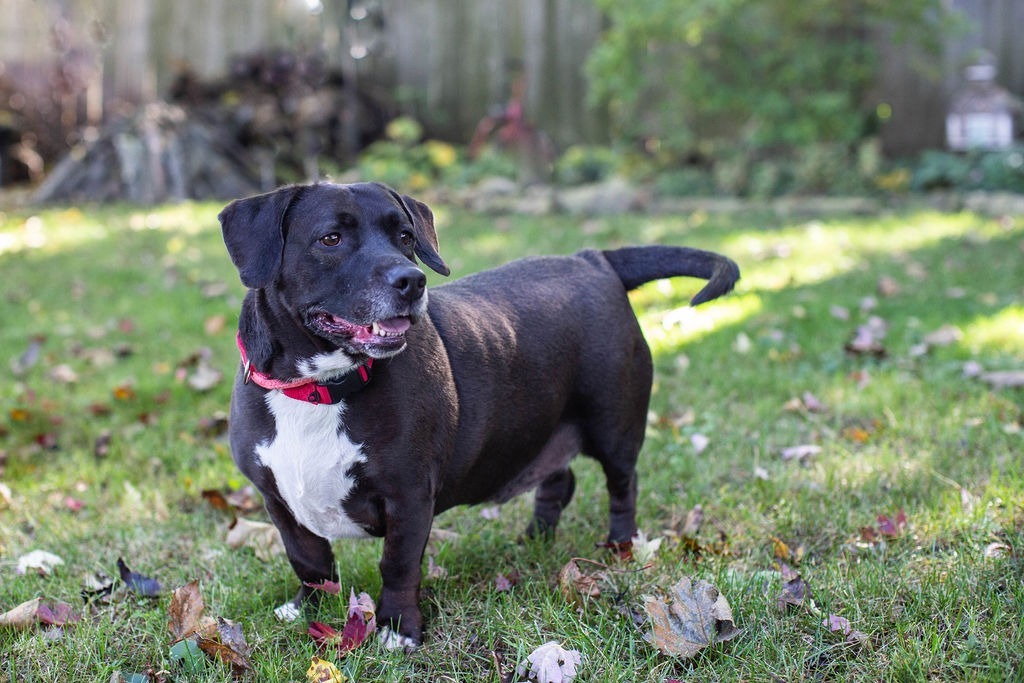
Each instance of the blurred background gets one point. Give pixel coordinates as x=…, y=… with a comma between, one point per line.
x=708, y=96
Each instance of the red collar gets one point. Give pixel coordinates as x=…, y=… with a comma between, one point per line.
x=309, y=390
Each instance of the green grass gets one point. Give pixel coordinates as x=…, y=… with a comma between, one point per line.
x=125, y=297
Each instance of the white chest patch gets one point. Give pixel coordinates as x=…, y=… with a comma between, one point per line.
x=311, y=458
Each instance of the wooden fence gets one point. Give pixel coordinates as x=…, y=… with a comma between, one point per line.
x=445, y=61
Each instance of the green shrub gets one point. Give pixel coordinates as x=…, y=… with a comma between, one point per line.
x=993, y=171
x=766, y=76
x=582, y=164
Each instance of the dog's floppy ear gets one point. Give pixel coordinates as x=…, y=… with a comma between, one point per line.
x=423, y=227
x=253, y=230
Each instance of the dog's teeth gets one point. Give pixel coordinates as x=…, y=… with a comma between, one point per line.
x=375, y=329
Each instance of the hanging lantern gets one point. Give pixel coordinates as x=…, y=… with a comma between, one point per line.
x=982, y=113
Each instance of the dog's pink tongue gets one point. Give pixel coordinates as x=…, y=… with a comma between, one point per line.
x=395, y=325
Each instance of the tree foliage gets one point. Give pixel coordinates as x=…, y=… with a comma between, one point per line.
x=688, y=74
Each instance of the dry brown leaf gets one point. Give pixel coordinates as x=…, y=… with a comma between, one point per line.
x=229, y=646
x=694, y=520
x=186, y=611
x=264, y=539
x=695, y=617
x=577, y=586
x=22, y=617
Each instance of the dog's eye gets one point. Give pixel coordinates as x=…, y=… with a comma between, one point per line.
x=407, y=238
x=331, y=240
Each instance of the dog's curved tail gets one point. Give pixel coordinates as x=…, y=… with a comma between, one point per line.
x=637, y=265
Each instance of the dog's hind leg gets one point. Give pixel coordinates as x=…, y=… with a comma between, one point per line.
x=553, y=494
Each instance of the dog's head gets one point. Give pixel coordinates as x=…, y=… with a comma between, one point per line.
x=340, y=259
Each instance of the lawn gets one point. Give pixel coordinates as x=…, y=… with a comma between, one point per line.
x=836, y=417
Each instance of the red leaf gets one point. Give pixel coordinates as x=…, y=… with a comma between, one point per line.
x=332, y=587
x=892, y=527
x=361, y=623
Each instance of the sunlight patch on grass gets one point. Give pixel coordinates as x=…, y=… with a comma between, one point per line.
x=667, y=330
x=1003, y=332
x=814, y=252
x=50, y=231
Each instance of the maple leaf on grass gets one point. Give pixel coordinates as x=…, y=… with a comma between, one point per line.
x=194, y=634
x=187, y=614
x=361, y=623
x=695, y=617
x=550, y=663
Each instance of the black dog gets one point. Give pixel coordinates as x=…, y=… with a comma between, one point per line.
x=363, y=409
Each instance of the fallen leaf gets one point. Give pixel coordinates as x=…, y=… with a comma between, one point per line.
x=101, y=447
x=264, y=539
x=695, y=617
x=505, y=582
x=1001, y=379
x=888, y=286
x=322, y=671
x=794, y=590
x=361, y=623
x=137, y=583
x=577, y=586
x=995, y=551
x=694, y=520
x=644, y=548
x=22, y=617
x=214, y=325
x=35, y=612
x=186, y=612
x=38, y=562
x=944, y=336
x=699, y=442
x=801, y=453
x=779, y=549
x=205, y=377
x=892, y=527
x=492, y=512
x=812, y=403
x=229, y=647
x=434, y=570
x=550, y=663
x=29, y=357
x=839, y=312
x=330, y=587
x=867, y=339
x=841, y=625
x=124, y=392
x=97, y=586
x=63, y=374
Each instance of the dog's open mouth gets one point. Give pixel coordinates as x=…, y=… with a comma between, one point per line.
x=380, y=335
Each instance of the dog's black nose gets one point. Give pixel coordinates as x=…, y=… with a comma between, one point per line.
x=409, y=281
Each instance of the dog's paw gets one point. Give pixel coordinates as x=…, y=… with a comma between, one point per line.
x=288, y=612
x=392, y=640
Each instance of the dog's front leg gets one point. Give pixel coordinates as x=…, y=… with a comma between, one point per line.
x=398, y=612
x=310, y=556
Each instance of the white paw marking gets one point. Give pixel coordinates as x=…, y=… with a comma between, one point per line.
x=396, y=641
x=288, y=612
